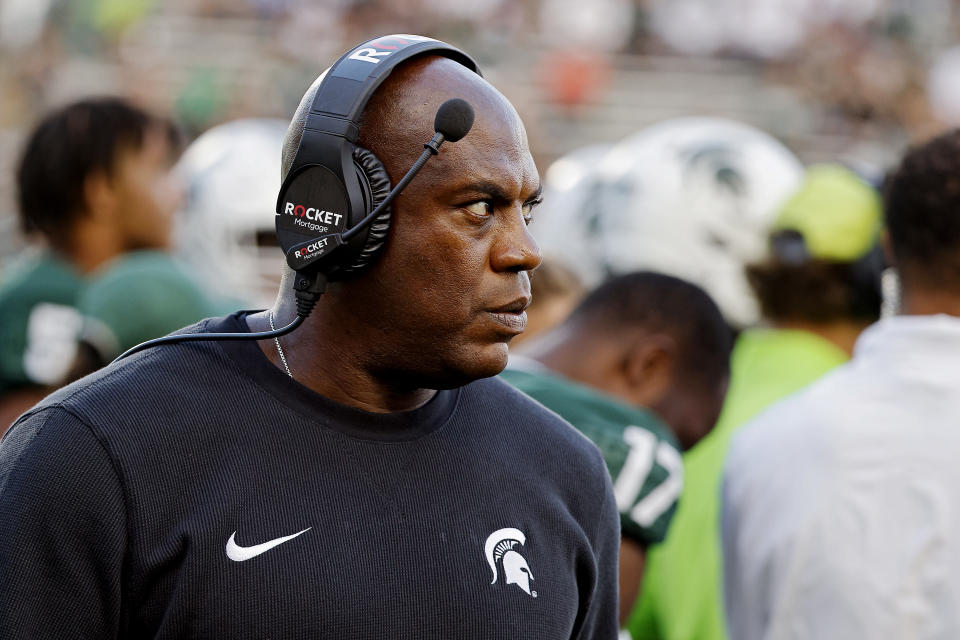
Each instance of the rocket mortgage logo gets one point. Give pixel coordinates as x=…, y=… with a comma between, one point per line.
x=317, y=220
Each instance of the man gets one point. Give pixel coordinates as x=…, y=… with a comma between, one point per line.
x=817, y=290
x=640, y=349
x=381, y=488
x=838, y=503
x=94, y=184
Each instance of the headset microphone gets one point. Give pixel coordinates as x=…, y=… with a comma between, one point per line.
x=453, y=121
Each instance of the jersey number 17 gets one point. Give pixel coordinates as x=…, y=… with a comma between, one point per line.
x=645, y=449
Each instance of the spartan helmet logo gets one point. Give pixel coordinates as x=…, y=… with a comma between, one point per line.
x=501, y=545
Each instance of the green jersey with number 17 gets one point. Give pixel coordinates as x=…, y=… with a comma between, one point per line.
x=641, y=453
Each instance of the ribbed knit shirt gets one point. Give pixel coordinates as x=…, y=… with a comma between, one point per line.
x=195, y=491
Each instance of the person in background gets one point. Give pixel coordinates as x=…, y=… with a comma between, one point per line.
x=556, y=290
x=93, y=184
x=641, y=368
x=818, y=289
x=138, y=296
x=839, y=517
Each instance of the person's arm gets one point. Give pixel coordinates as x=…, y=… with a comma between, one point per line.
x=647, y=487
x=632, y=561
x=63, y=530
x=599, y=615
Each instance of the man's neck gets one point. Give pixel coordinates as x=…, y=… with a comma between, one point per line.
x=322, y=358
x=544, y=348
x=90, y=245
x=919, y=302
x=563, y=352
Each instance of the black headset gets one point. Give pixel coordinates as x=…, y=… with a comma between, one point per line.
x=333, y=184
x=333, y=210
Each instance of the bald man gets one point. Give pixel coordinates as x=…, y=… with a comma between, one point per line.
x=363, y=478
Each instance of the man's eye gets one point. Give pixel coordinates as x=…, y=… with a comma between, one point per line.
x=528, y=210
x=482, y=209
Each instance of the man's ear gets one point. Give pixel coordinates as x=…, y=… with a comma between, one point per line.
x=100, y=198
x=648, y=368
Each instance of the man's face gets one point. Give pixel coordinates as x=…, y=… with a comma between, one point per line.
x=449, y=292
x=147, y=192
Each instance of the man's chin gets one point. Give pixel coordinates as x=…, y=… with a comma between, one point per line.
x=486, y=362
x=493, y=361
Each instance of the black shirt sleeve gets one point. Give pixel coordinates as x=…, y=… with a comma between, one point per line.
x=599, y=617
x=63, y=529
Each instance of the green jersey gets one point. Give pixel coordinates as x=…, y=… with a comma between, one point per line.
x=681, y=597
x=39, y=321
x=139, y=296
x=641, y=454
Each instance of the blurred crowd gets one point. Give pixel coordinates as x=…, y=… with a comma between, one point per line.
x=739, y=145
x=853, y=77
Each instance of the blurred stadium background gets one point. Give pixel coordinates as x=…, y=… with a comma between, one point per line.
x=849, y=80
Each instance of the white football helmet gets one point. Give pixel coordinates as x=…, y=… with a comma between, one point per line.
x=571, y=196
x=226, y=227
x=691, y=197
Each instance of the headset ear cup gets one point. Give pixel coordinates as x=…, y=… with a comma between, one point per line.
x=373, y=175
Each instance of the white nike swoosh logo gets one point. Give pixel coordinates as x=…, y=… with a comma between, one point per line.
x=238, y=554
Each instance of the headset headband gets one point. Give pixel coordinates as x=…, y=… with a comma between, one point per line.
x=349, y=83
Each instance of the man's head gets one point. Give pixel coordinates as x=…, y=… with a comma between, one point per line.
x=657, y=342
x=824, y=264
x=440, y=304
x=922, y=210
x=99, y=160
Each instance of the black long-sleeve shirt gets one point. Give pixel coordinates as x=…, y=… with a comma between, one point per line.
x=195, y=491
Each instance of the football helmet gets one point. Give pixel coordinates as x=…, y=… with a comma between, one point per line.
x=691, y=197
x=225, y=230
x=571, y=200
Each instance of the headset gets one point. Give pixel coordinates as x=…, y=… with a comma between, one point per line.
x=333, y=209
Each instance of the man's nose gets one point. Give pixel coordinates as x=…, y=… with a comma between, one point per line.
x=515, y=249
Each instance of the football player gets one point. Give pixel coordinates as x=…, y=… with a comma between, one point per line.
x=93, y=183
x=641, y=368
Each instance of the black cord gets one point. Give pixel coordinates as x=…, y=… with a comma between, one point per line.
x=190, y=337
x=308, y=289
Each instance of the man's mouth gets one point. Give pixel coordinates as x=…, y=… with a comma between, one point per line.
x=512, y=316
